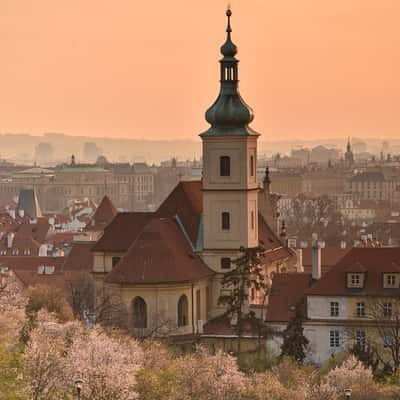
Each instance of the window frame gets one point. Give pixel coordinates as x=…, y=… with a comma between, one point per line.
x=360, y=309
x=225, y=260
x=225, y=221
x=224, y=166
x=334, y=338
x=139, y=304
x=334, y=308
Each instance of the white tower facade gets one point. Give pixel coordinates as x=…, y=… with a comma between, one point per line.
x=230, y=187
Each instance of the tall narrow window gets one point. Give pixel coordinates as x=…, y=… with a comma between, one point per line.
x=198, y=305
x=360, y=339
x=334, y=338
x=139, y=313
x=252, y=221
x=183, y=311
x=360, y=309
x=226, y=221
x=334, y=309
x=251, y=165
x=225, y=166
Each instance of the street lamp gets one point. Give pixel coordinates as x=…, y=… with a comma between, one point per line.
x=78, y=386
x=347, y=393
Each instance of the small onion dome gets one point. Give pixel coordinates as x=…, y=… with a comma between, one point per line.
x=229, y=111
x=229, y=49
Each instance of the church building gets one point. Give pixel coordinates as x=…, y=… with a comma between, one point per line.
x=167, y=266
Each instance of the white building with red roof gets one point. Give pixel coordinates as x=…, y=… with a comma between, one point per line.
x=342, y=305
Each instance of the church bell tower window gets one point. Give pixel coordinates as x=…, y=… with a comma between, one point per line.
x=225, y=166
x=226, y=221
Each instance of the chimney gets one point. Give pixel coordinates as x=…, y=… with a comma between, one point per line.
x=10, y=239
x=316, y=260
x=299, y=255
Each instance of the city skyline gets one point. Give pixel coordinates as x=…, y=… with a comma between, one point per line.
x=150, y=70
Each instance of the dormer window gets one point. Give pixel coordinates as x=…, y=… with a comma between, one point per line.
x=225, y=166
x=355, y=280
x=391, y=281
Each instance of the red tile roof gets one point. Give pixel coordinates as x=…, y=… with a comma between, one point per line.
x=26, y=270
x=330, y=256
x=373, y=261
x=287, y=290
x=80, y=258
x=122, y=231
x=31, y=263
x=160, y=254
x=103, y=215
x=185, y=201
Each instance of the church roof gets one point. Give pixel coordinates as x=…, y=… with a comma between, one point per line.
x=184, y=206
x=160, y=254
x=103, y=215
x=122, y=231
x=28, y=202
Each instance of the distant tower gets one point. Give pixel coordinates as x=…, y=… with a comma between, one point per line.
x=72, y=160
x=348, y=156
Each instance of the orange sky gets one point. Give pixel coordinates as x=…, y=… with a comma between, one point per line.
x=130, y=68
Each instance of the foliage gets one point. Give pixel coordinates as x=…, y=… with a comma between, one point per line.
x=246, y=274
x=50, y=299
x=294, y=342
x=114, y=366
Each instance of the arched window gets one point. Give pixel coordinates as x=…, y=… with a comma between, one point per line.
x=183, y=311
x=139, y=313
x=225, y=166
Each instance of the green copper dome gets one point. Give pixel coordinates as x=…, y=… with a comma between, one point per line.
x=229, y=115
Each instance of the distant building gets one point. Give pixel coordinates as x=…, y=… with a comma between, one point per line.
x=322, y=155
x=44, y=153
x=91, y=152
x=348, y=155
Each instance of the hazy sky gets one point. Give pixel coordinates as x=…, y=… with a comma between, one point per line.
x=130, y=68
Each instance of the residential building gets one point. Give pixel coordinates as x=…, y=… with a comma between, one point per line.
x=341, y=305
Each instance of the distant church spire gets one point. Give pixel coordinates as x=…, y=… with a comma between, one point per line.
x=349, y=156
x=229, y=115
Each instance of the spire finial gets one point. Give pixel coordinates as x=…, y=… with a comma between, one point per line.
x=229, y=14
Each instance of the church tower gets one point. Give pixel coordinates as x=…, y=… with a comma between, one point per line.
x=230, y=187
x=348, y=156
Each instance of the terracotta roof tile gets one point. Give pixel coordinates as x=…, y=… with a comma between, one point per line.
x=103, y=215
x=186, y=201
x=330, y=256
x=80, y=258
x=373, y=261
x=122, y=231
x=160, y=254
x=287, y=290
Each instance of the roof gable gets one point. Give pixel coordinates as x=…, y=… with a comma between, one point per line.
x=160, y=254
